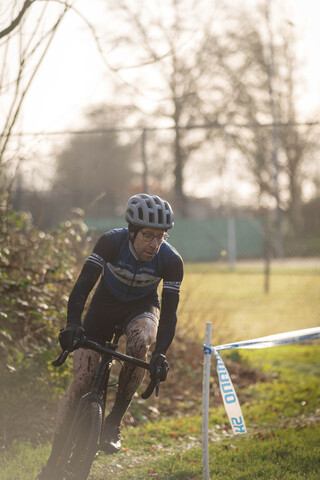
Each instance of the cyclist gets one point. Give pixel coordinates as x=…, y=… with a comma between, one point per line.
x=131, y=263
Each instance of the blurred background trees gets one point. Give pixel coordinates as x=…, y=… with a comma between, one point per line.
x=94, y=171
x=203, y=105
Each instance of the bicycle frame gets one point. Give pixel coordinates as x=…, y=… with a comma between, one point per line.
x=95, y=398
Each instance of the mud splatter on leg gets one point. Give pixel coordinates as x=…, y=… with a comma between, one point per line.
x=140, y=337
x=84, y=366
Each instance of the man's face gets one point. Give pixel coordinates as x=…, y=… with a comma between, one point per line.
x=147, y=243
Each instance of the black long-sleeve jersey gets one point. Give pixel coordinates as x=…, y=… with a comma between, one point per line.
x=129, y=279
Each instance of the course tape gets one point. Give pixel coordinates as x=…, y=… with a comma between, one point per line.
x=230, y=399
x=273, y=340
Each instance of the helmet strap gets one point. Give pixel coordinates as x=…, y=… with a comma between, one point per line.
x=133, y=229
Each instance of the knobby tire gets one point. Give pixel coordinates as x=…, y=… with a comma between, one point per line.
x=82, y=444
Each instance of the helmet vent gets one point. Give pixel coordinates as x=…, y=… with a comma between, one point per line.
x=160, y=216
x=140, y=213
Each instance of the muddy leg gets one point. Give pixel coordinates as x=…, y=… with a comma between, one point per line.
x=84, y=366
x=140, y=336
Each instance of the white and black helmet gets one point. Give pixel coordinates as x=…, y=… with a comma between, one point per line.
x=145, y=210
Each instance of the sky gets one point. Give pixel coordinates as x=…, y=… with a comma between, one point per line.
x=73, y=75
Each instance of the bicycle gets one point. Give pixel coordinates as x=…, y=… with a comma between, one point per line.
x=81, y=446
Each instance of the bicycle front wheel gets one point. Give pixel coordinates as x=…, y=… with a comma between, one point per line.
x=81, y=446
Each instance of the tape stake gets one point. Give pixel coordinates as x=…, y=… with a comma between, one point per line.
x=205, y=402
x=230, y=399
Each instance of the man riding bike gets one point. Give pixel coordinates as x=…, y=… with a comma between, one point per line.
x=131, y=263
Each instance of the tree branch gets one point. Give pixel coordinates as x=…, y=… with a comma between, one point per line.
x=10, y=124
x=16, y=21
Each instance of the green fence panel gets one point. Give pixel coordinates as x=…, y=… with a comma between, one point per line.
x=199, y=239
x=101, y=224
x=205, y=238
x=249, y=237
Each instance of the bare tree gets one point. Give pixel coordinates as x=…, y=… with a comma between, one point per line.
x=25, y=43
x=94, y=171
x=169, y=57
x=262, y=67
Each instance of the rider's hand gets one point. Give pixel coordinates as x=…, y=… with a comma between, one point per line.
x=69, y=336
x=159, y=366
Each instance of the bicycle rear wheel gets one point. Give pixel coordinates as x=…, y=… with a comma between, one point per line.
x=81, y=445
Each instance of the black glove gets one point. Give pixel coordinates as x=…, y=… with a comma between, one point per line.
x=69, y=336
x=159, y=366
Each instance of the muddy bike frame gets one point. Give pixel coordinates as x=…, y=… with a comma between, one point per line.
x=82, y=441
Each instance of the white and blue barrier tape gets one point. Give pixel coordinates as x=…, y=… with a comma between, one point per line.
x=228, y=393
x=272, y=340
x=230, y=399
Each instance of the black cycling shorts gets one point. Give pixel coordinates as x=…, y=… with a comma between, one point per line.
x=105, y=312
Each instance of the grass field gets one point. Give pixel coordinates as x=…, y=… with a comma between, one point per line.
x=238, y=307
x=278, y=388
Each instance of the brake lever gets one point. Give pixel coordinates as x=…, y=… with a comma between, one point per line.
x=157, y=387
x=61, y=359
x=154, y=384
x=77, y=342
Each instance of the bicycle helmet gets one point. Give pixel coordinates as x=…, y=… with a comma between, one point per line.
x=145, y=210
